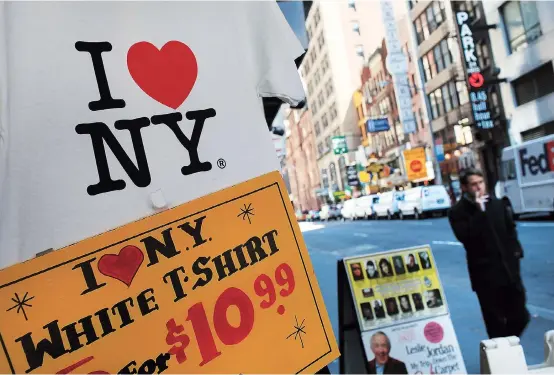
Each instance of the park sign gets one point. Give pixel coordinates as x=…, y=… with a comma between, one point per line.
x=339, y=145
x=221, y=284
x=478, y=91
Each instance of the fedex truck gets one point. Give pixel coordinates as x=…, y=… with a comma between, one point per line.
x=527, y=177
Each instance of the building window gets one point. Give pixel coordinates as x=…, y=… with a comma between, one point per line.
x=437, y=59
x=463, y=95
x=352, y=4
x=356, y=27
x=447, y=97
x=316, y=78
x=483, y=54
x=333, y=112
x=321, y=41
x=317, y=129
x=310, y=33
x=521, y=22
x=324, y=178
x=321, y=99
x=314, y=107
x=317, y=17
x=422, y=119
x=310, y=88
x=433, y=16
x=329, y=88
x=324, y=121
x=324, y=64
x=535, y=84
x=333, y=172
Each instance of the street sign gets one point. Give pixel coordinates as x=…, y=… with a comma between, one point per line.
x=377, y=125
x=478, y=94
x=414, y=160
x=352, y=175
x=222, y=284
x=339, y=145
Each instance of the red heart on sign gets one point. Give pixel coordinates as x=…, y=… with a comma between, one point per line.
x=123, y=266
x=167, y=75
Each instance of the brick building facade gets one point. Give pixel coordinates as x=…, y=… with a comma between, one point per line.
x=301, y=160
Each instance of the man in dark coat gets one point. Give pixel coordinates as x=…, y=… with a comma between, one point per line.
x=383, y=363
x=486, y=228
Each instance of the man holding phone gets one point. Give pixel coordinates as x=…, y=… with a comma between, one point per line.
x=486, y=228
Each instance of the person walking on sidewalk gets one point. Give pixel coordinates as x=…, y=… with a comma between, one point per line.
x=486, y=228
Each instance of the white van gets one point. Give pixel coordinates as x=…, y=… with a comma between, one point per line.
x=387, y=204
x=422, y=200
x=364, y=206
x=527, y=176
x=348, y=210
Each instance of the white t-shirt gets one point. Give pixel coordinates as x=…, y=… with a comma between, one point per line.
x=218, y=60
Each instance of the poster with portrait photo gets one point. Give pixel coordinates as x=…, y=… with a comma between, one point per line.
x=428, y=346
x=412, y=264
x=396, y=297
x=398, y=263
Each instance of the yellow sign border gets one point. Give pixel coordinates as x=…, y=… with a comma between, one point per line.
x=61, y=256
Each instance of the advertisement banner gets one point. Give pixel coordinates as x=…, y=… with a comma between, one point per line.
x=395, y=287
x=222, y=284
x=339, y=145
x=397, y=65
x=352, y=175
x=427, y=346
x=415, y=163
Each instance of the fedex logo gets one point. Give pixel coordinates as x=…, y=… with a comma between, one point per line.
x=542, y=163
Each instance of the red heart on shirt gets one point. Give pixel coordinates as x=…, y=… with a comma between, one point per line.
x=123, y=266
x=166, y=75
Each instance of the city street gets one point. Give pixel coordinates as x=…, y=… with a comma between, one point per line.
x=328, y=242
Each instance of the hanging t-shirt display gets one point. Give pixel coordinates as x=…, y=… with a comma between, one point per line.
x=112, y=110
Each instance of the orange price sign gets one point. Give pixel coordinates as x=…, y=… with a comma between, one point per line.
x=222, y=284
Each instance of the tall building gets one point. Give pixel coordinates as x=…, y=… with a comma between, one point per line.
x=444, y=82
x=379, y=102
x=522, y=49
x=301, y=164
x=340, y=36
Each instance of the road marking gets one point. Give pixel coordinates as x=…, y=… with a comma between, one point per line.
x=450, y=243
x=536, y=225
x=306, y=226
x=360, y=235
x=422, y=223
x=541, y=311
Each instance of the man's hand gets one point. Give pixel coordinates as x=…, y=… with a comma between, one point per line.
x=481, y=200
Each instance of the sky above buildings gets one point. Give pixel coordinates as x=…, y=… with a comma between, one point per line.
x=294, y=13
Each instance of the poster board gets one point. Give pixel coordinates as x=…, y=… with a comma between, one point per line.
x=398, y=295
x=222, y=284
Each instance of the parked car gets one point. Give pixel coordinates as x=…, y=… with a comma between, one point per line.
x=387, y=204
x=423, y=200
x=329, y=212
x=364, y=206
x=313, y=215
x=349, y=209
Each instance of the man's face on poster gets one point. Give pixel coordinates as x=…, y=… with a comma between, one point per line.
x=380, y=348
x=404, y=303
x=356, y=270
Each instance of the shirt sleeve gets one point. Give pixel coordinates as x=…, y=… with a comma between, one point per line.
x=279, y=75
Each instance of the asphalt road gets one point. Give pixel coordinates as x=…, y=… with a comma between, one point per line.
x=329, y=242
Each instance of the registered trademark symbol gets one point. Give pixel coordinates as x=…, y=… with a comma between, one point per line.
x=221, y=163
